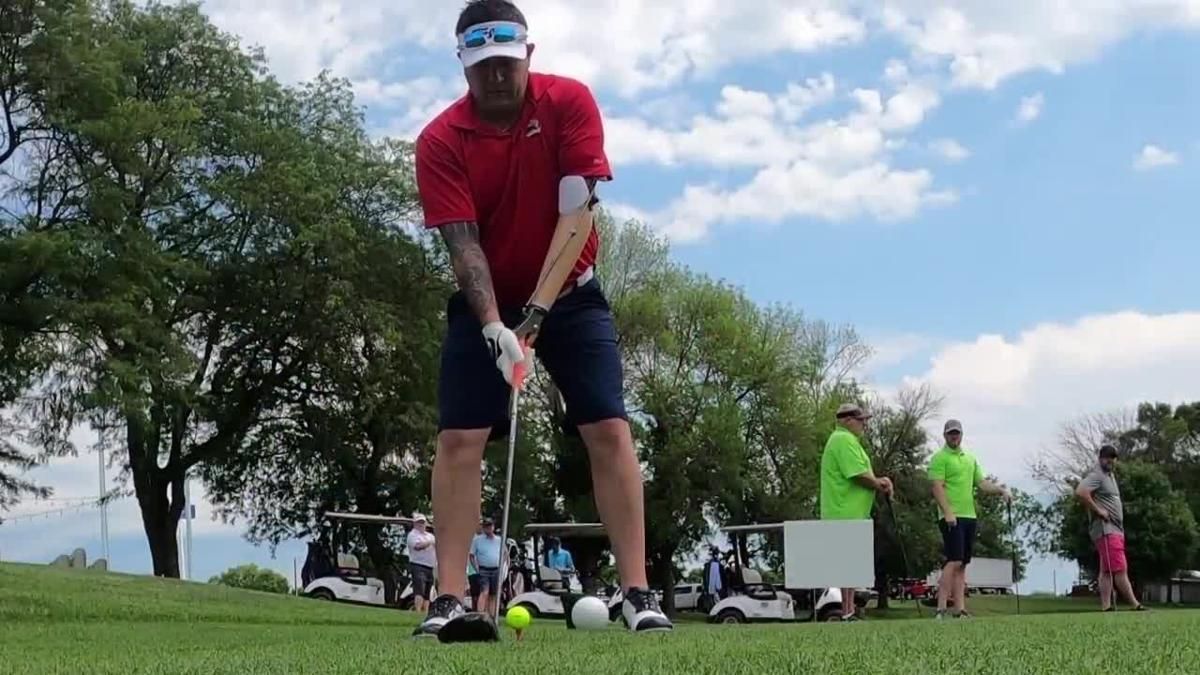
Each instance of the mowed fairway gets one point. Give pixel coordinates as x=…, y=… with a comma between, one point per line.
x=84, y=622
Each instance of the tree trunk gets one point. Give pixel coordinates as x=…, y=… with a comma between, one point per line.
x=383, y=560
x=664, y=576
x=160, y=520
x=881, y=587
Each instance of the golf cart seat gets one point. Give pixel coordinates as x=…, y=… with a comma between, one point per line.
x=349, y=570
x=753, y=586
x=551, y=580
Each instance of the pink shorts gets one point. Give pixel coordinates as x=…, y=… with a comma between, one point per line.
x=1111, y=548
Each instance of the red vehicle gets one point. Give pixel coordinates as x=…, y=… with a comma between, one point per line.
x=906, y=589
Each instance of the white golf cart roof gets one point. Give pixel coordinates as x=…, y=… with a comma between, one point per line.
x=751, y=529
x=566, y=529
x=370, y=519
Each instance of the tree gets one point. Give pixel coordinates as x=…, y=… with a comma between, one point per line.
x=252, y=577
x=191, y=203
x=27, y=51
x=12, y=486
x=1079, y=441
x=354, y=429
x=1160, y=531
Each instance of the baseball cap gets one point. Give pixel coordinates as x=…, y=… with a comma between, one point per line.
x=419, y=517
x=487, y=520
x=952, y=425
x=492, y=38
x=1108, y=451
x=851, y=410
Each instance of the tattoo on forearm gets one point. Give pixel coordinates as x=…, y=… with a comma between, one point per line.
x=470, y=267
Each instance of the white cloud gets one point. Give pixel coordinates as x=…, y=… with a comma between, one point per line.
x=891, y=350
x=1154, y=157
x=642, y=45
x=653, y=45
x=949, y=149
x=1030, y=108
x=1012, y=393
x=750, y=128
x=832, y=169
x=983, y=43
x=302, y=37
x=805, y=189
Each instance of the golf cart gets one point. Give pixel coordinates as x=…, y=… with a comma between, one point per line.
x=332, y=574
x=752, y=600
x=545, y=595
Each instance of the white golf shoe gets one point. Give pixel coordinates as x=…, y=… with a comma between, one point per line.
x=642, y=614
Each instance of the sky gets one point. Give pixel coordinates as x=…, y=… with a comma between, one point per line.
x=995, y=195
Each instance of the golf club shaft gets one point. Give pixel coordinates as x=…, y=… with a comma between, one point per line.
x=508, y=473
x=1016, y=581
x=903, y=550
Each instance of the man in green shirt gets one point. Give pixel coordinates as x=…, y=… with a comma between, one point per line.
x=848, y=485
x=955, y=474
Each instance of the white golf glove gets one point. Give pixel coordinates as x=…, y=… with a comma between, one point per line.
x=506, y=348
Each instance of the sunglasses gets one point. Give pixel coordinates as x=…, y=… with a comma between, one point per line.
x=478, y=37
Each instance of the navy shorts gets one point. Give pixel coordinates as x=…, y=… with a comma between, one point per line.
x=422, y=579
x=958, y=542
x=489, y=579
x=577, y=345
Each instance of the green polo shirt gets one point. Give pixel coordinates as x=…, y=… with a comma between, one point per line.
x=961, y=473
x=843, y=459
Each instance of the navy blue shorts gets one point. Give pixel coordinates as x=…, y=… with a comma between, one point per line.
x=958, y=542
x=489, y=580
x=577, y=345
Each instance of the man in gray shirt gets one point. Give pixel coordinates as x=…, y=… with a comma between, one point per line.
x=1106, y=524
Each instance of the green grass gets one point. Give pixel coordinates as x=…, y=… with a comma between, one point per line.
x=75, y=622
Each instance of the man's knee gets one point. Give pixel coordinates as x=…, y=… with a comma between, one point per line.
x=462, y=446
x=607, y=439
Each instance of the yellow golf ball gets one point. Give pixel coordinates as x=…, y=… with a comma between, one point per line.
x=517, y=618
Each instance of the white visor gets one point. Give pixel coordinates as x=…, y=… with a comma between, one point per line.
x=490, y=34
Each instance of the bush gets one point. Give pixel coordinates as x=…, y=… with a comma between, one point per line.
x=252, y=577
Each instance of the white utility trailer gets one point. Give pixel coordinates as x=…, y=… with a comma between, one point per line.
x=984, y=575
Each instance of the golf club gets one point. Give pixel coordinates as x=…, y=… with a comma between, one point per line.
x=1107, y=563
x=518, y=383
x=903, y=550
x=1014, y=556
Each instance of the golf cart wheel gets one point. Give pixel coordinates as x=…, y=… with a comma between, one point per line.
x=322, y=594
x=731, y=616
x=533, y=610
x=830, y=614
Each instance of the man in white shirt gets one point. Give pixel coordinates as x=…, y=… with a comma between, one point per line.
x=422, y=559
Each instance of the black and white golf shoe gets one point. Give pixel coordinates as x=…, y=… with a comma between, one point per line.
x=641, y=612
x=441, y=611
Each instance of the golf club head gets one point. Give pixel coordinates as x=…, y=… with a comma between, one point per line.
x=470, y=627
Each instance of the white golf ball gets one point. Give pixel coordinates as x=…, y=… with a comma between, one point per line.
x=589, y=613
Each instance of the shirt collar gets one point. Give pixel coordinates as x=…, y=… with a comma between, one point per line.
x=462, y=113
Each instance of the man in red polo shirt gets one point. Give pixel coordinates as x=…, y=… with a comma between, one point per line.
x=507, y=174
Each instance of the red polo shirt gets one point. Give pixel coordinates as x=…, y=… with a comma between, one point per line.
x=507, y=181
